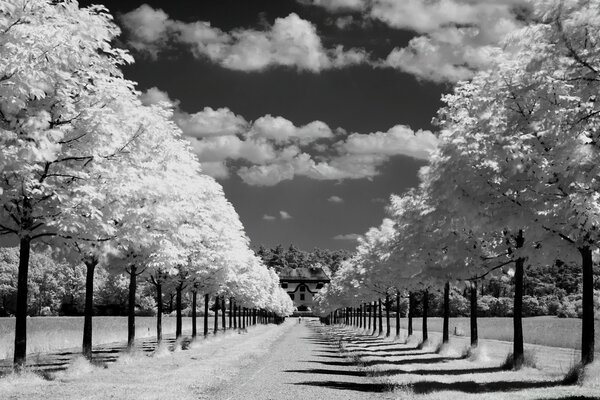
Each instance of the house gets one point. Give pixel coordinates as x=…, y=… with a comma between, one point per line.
x=302, y=284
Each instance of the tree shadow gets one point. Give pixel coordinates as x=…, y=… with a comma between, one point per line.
x=425, y=387
x=320, y=371
x=465, y=371
x=358, y=387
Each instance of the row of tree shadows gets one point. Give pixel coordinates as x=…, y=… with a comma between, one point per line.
x=349, y=363
x=48, y=364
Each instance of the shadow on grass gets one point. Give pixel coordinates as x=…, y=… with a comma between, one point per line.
x=370, y=363
x=466, y=371
x=320, y=371
x=358, y=387
x=426, y=387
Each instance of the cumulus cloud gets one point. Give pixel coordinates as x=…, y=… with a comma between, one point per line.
x=335, y=199
x=289, y=42
x=268, y=217
x=273, y=149
x=284, y=215
x=400, y=139
x=454, y=38
x=348, y=236
x=337, y=5
x=209, y=122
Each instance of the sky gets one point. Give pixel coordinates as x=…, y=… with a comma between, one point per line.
x=310, y=113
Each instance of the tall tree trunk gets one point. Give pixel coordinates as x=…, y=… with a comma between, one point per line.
x=194, y=313
x=20, y=354
x=230, y=312
x=425, y=311
x=518, y=307
x=205, y=319
x=387, y=315
x=411, y=310
x=234, y=315
x=216, y=321
x=159, y=312
x=360, y=316
x=131, y=307
x=397, y=314
x=474, y=335
x=240, y=317
x=254, y=316
x=370, y=314
x=380, y=318
x=446, y=334
x=364, y=315
x=244, y=318
x=86, y=347
x=178, y=319
x=587, y=327
x=223, y=311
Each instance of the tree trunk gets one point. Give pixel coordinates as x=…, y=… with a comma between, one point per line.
x=474, y=335
x=86, y=346
x=243, y=313
x=234, y=315
x=159, y=312
x=446, y=334
x=240, y=317
x=380, y=318
x=518, y=307
x=425, y=310
x=223, y=310
x=216, y=321
x=254, y=316
x=178, y=319
x=397, y=314
x=206, y=315
x=194, y=313
x=20, y=354
x=411, y=309
x=387, y=315
x=370, y=315
x=587, y=327
x=131, y=307
x=230, y=312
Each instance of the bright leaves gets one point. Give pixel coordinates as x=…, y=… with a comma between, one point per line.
x=85, y=166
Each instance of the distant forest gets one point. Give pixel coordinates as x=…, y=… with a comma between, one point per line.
x=551, y=290
x=281, y=257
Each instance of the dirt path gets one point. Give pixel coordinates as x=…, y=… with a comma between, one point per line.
x=303, y=364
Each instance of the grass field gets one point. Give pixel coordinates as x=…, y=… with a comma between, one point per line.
x=45, y=334
x=546, y=331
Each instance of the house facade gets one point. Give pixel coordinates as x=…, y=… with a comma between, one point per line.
x=302, y=284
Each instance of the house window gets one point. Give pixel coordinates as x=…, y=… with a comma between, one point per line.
x=284, y=285
x=302, y=296
x=291, y=296
x=303, y=288
x=319, y=286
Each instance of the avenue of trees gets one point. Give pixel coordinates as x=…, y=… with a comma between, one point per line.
x=514, y=184
x=91, y=177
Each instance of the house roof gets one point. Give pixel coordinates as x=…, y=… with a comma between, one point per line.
x=303, y=274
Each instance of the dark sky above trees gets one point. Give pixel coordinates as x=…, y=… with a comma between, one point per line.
x=313, y=209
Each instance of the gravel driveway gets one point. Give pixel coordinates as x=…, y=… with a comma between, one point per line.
x=303, y=364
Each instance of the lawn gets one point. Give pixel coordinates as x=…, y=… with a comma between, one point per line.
x=546, y=331
x=45, y=334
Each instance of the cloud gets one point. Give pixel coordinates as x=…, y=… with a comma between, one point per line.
x=335, y=199
x=273, y=149
x=454, y=38
x=337, y=5
x=209, y=122
x=268, y=217
x=290, y=42
x=399, y=139
x=349, y=236
x=284, y=215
